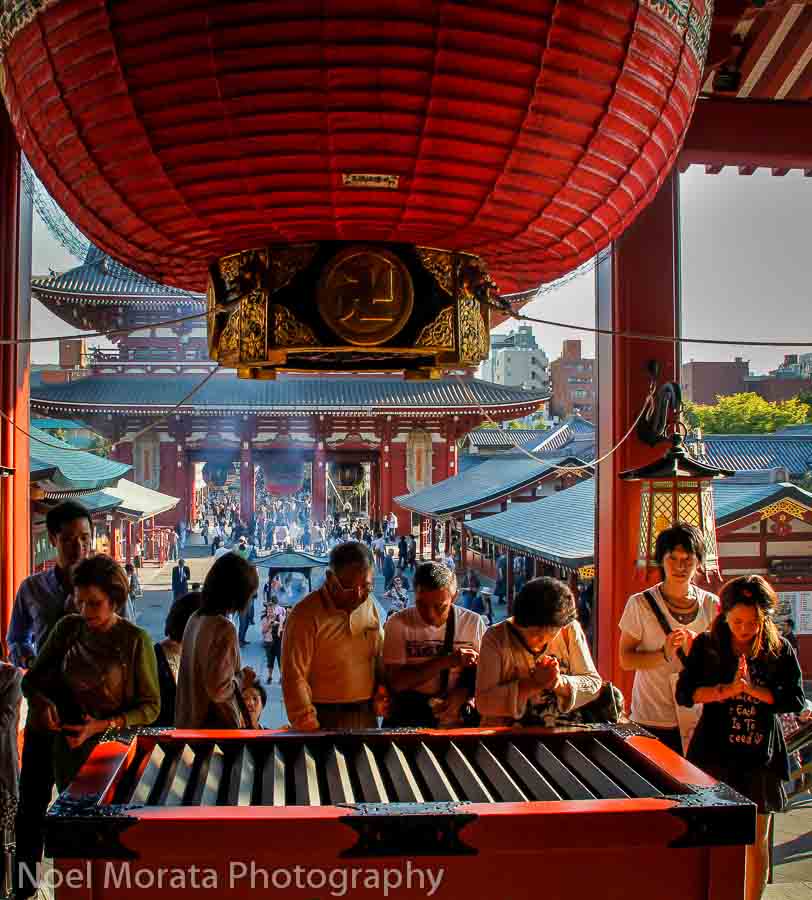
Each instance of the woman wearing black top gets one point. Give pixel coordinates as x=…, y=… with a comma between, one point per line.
x=167, y=653
x=746, y=675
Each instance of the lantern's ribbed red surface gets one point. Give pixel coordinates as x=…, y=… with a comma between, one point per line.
x=528, y=131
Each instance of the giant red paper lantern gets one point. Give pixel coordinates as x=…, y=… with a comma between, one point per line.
x=529, y=132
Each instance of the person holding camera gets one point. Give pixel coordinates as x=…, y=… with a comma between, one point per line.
x=272, y=624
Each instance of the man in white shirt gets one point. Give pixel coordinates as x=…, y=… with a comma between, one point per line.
x=429, y=652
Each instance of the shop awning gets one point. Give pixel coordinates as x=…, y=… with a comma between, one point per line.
x=130, y=499
x=64, y=467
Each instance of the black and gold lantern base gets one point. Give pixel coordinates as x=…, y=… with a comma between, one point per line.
x=360, y=307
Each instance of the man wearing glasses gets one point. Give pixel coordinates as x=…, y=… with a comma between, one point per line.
x=331, y=647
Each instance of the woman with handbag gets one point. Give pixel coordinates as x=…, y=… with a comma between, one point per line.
x=95, y=672
x=657, y=629
x=745, y=675
x=535, y=668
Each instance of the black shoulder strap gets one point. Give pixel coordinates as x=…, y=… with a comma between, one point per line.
x=658, y=614
x=448, y=645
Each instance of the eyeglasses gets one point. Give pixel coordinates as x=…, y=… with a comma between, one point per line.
x=359, y=590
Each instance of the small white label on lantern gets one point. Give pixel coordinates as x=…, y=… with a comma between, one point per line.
x=370, y=180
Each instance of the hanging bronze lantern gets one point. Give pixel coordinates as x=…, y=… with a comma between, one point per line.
x=676, y=488
x=348, y=475
x=216, y=474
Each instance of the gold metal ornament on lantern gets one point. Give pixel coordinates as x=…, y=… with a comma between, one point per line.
x=366, y=295
x=323, y=307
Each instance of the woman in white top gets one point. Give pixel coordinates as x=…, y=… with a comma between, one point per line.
x=210, y=674
x=535, y=668
x=645, y=649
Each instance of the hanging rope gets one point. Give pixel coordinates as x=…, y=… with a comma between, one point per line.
x=648, y=405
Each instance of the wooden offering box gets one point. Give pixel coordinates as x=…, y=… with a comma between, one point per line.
x=603, y=812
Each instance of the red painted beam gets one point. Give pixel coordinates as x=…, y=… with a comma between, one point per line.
x=15, y=531
x=749, y=133
x=636, y=290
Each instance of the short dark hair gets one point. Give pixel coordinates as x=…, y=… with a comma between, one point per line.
x=179, y=614
x=64, y=513
x=680, y=534
x=433, y=576
x=229, y=586
x=349, y=555
x=263, y=694
x=105, y=573
x=544, y=603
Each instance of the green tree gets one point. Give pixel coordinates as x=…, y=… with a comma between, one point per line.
x=806, y=397
x=746, y=414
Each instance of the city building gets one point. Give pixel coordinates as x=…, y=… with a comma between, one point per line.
x=517, y=360
x=573, y=383
x=703, y=382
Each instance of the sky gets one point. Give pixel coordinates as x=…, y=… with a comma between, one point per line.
x=746, y=265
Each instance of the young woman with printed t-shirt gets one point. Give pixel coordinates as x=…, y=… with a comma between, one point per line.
x=678, y=607
x=746, y=675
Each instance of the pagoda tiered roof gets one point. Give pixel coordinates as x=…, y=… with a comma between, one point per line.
x=101, y=280
x=227, y=394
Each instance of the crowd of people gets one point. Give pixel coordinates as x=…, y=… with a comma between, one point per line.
x=712, y=675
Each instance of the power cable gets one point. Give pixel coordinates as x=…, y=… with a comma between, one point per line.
x=113, y=332
x=641, y=336
x=135, y=437
x=566, y=470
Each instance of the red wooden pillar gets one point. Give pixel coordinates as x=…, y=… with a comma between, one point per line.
x=114, y=540
x=15, y=518
x=420, y=539
x=509, y=580
x=191, y=493
x=318, y=480
x=374, y=491
x=129, y=554
x=463, y=544
x=637, y=289
x=433, y=538
x=386, y=481
x=246, y=483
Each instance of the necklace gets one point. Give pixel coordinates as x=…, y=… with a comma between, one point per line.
x=684, y=613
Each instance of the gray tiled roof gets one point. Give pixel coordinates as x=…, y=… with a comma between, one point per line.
x=99, y=277
x=561, y=528
x=492, y=479
x=55, y=424
x=572, y=430
x=759, y=451
x=74, y=469
x=506, y=438
x=227, y=391
x=733, y=501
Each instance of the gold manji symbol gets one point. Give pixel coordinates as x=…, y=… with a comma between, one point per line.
x=366, y=296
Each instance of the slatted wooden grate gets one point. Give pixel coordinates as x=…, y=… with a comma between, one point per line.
x=351, y=769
